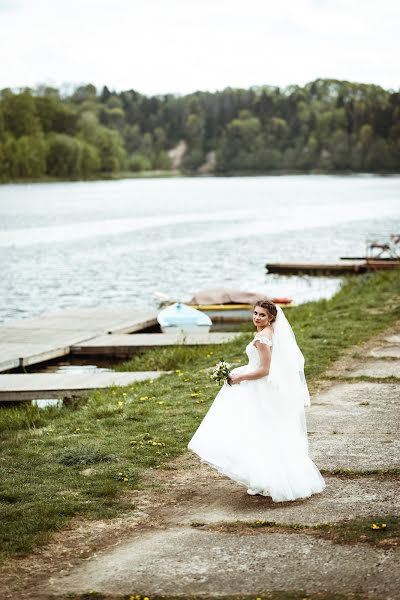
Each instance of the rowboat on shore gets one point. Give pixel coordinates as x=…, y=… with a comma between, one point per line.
x=225, y=305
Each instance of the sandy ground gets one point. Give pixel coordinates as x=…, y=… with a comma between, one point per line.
x=173, y=541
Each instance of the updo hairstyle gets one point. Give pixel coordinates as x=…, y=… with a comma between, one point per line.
x=269, y=307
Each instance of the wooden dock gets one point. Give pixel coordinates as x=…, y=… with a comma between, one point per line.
x=341, y=267
x=127, y=345
x=102, y=332
x=31, y=341
x=63, y=385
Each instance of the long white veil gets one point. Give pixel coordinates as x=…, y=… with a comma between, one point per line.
x=286, y=373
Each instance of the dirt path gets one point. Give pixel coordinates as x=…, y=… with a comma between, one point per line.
x=194, y=532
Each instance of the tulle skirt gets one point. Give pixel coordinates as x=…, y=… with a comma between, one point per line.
x=252, y=436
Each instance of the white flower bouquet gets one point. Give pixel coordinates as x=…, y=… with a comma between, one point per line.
x=221, y=373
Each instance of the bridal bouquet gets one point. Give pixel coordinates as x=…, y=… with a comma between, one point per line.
x=221, y=373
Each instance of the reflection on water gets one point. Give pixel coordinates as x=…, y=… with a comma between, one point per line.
x=47, y=403
x=115, y=243
x=74, y=364
x=67, y=367
x=68, y=364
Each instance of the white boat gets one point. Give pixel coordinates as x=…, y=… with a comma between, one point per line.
x=179, y=317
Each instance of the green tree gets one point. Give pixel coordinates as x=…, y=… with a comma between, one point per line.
x=90, y=160
x=132, y=138
x=195, y=130
x=2, y=125
x=88, y=127
x=7, y=158
x=379, y=158
x=111, y=150
x=138, y=162
x=242, y=146
x=113, y=117
x=341, y=150
x=56, y=117
x=19, y=113
x=30, y=157
x=64, y=156
x=327, y=124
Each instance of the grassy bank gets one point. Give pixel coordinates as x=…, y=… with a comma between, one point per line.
x=57, y=463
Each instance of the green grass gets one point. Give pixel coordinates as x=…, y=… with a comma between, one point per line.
x=78, y=460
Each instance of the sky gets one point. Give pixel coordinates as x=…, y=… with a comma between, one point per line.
x=180, y=46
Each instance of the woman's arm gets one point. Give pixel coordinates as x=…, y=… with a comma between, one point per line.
x=262, y=371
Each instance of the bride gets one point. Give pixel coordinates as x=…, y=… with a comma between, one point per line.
x=255, y=430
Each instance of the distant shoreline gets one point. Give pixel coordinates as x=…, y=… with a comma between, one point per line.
x=180, y=174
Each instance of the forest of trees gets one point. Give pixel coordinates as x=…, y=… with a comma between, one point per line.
x=325, y=126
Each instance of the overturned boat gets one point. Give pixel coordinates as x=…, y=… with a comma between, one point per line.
x=179, y=317
x=226, y=305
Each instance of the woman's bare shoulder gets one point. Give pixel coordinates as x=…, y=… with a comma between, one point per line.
x=266, y=332
x=264, y=337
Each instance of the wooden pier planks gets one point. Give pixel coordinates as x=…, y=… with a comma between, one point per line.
x=15, y=387
x=127, y=345
x=30, y=341
x=321, y=268
x=341, y=267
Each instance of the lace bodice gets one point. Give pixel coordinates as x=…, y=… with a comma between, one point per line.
x=263, y=339
x=252, y=352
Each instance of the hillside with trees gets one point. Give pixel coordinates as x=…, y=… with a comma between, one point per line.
x=326, y=126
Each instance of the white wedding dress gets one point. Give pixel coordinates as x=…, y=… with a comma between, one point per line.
x=255, y=434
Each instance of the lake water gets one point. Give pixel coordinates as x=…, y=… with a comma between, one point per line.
x=114, y=243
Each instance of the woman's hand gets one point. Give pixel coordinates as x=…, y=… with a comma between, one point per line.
x=234, y=379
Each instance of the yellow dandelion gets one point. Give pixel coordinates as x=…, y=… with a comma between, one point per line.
x=178, y=371
x=126, y=479
x=120, y=403
x=143, y=398
x=194, y=395
x=161, y=402
x=377, y=526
